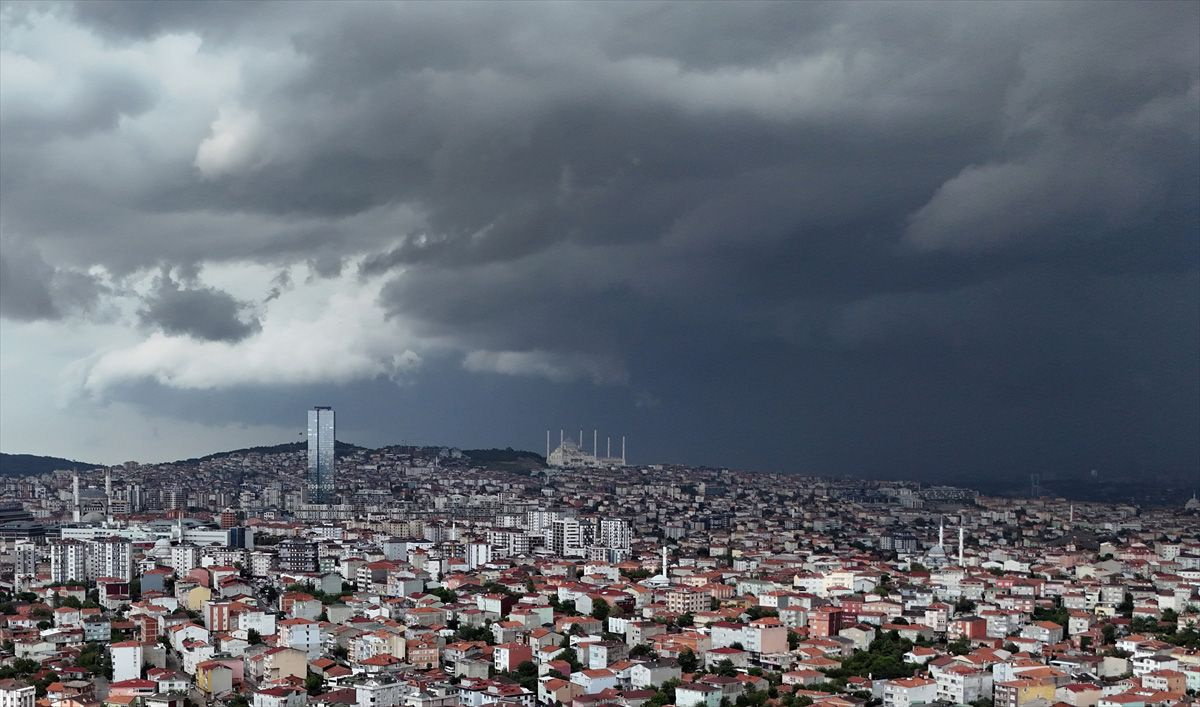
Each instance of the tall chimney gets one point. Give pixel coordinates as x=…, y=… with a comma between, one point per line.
x=75, y=495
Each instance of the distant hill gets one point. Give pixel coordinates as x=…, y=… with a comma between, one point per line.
x=342, y=447
x=28, y=464
x=509, y=456
x=31, y=464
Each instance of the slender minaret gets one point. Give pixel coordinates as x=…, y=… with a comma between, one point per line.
x=108, y=494
x=664, y=561
x=560, y=436
x=595, y=436
x=75, y=496
x=547, y=444
x=581, y=438
x=622, y=450
x=962, y=537
x=1071, y=520
x=942, y=532
x=608, y=447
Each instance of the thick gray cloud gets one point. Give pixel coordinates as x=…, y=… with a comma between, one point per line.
x=31, y=289
x=656, y=198
x=202, y=312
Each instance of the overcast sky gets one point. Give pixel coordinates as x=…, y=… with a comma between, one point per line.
x=882, y=239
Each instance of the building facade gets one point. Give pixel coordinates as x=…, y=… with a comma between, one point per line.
x=321, y=456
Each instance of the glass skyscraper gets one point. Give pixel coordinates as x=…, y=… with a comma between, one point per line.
x=320, y=455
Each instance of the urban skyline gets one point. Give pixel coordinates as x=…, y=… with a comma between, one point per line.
x=890, y=240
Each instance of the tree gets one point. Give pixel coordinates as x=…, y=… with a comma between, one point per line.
x=527, y=675
x=253, y=637
x=665, y=694
x=238, y=700
x=40, y=686
x=600, y=609
x=964, y=606
x=883, y=659
x=21, y=667
x=793, y=640
x=959, y=646
x=1125, y=608
x=572, y=659
x=725, y=668
x=688, y=662
x=642, y=650
x=686, y=620
x=314, y=684
x=1057, y=614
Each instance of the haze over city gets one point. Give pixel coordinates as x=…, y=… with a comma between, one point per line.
x=887, y=240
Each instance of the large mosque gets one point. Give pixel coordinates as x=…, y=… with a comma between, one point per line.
x=571, y=455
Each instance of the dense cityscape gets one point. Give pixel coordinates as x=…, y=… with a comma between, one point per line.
x=323, y=574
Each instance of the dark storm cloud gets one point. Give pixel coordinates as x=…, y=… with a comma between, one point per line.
x=31, y=289
x=825, y=211
x=193, y=310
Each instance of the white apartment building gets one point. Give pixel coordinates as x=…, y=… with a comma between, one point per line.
x=111, y=557
x=566, y=538
x=905, y=692
x=68, y=561
x=615, y=533
x=301, y=634
x=14, y=693
x=184, y=558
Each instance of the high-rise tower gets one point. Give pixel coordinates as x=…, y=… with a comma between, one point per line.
x=320, y=454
